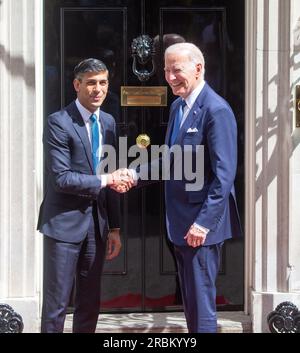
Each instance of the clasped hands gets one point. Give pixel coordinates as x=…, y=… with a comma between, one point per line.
x=120, y=180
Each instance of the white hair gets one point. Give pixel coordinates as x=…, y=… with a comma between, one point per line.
x=190, y=50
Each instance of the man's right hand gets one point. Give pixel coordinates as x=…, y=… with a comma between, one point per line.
x=120, y=180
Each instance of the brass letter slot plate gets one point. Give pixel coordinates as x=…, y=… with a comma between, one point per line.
x=297, y=106
x=137, y=96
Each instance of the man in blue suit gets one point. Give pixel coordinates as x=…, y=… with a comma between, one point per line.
x=198, y=222
x=79, y=216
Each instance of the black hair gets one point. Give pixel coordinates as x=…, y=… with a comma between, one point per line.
x=89, y=65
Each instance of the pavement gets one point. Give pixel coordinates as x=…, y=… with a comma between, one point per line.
x=167, y=322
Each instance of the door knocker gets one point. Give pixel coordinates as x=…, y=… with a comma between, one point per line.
x=142, y=52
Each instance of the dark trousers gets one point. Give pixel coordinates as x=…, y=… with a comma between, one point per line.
x=197, y=272
x=63, y=263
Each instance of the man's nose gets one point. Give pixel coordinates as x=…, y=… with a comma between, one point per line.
x=171, y=76
x=97, y=88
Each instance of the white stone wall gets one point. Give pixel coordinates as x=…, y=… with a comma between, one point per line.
x=294, y=249
x=20, y=157
x=272, y=166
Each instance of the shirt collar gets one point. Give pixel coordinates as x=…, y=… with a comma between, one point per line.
x=84, y=112
x=190, y=100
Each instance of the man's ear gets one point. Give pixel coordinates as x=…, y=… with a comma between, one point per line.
x=76, y=84
x=198, y=69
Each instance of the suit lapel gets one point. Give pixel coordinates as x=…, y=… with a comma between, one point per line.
x=192, y=120
x=103, y=127
x=80, y=128
x=171, y=123
x=194, y=115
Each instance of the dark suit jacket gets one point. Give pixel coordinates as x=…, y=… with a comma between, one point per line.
x=72, y=188
x=214, y=206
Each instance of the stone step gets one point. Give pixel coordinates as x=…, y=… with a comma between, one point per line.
x=170, y=322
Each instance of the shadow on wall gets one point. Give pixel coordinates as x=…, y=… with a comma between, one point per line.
x=275, y=117
x=17, y=66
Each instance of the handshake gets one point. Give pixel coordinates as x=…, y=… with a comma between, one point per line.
x=120, y=180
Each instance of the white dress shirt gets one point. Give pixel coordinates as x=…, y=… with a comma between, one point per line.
x=190, y=100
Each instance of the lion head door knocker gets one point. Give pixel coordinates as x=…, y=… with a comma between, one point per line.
x=142, y=53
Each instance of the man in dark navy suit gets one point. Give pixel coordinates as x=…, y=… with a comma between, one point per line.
x=199, y=218
x=79, y=216
x=199, y=221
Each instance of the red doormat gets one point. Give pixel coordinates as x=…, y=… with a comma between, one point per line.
x=135, y=300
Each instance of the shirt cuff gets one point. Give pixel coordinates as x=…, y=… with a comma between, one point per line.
x=201, y=228
x=103, y=179
x=134, y=176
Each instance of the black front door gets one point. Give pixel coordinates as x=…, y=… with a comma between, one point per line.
x=144, y=276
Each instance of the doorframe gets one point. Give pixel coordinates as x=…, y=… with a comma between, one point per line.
x=249, y=160
x=250, y=143
x=39, y=127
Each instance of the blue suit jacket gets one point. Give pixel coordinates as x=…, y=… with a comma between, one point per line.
x=65, y=213
x=214, y=206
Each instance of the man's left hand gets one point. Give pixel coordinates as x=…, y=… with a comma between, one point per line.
x=195, y=237
x=113, y=244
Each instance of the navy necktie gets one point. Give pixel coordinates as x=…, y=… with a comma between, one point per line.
x=95, y=141
x=177, y=122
